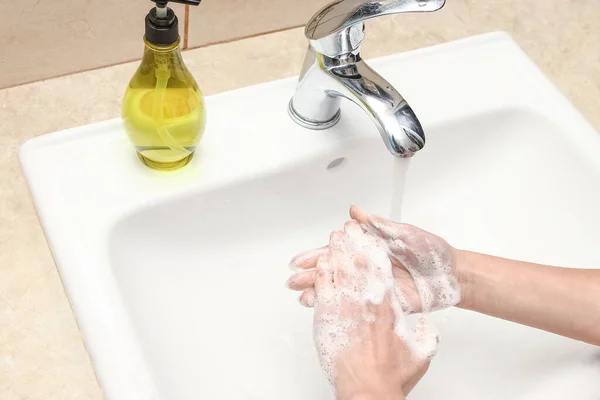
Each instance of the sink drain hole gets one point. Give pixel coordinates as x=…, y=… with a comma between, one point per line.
x=336, y=163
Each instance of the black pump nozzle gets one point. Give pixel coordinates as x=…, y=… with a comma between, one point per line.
x=161, y=22
x=163, y=3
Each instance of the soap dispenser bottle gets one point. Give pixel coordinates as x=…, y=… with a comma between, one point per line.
x=163, y=109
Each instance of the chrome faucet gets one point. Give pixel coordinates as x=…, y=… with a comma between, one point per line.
x=333, y=68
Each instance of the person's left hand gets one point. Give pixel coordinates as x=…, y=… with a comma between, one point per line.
x=304, y=279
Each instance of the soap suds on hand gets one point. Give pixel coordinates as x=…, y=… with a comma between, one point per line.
x=428, y=259
x=358, y=275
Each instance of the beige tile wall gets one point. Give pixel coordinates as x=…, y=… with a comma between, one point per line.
x=41, y=39
x=46, y=38
x=218, y=20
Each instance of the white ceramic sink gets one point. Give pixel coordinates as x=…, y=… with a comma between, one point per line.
x=177, y=279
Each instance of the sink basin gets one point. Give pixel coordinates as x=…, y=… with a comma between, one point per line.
x=177, y=279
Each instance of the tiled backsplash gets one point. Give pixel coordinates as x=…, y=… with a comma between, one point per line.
x=41, y=39
x=218, y=20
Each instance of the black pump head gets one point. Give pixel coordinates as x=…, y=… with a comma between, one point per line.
x=162, y=26
x=163, y=3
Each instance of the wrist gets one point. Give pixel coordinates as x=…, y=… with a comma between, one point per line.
x=465, y=274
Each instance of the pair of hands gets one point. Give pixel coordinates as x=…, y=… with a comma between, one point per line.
x=361, y=286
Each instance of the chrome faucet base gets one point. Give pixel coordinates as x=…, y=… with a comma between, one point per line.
x=311, y=124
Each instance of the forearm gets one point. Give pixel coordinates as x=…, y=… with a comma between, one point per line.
x=560, y=300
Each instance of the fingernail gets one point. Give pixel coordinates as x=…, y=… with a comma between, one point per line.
x=307, y=300
x=289, y=282
x=293, y=264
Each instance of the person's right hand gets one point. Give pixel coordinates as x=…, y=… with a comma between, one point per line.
x=425, y=265
x=363, y=341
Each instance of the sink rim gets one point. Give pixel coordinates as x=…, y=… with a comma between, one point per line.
x=94, y=296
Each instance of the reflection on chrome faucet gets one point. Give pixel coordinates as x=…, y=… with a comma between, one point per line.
x=333, y=68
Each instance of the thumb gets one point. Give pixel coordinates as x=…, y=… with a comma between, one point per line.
x=360, y=215
x=370, y=223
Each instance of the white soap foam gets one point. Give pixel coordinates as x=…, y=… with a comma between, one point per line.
x=428, y=258
x=357, y=275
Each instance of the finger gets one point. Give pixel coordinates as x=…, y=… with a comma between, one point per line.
x=337, y=243
x=365, y=219
x=404, y=285
x=302, y=280
x=324, y=275
x=360, y=215
x=307, y=298
x=307, y=259
x=374, y=224
x=352, y=229
x=340, y=257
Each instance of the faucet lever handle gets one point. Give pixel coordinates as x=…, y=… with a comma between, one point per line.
x=343, y=14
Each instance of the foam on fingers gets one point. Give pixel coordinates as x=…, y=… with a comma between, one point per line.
x=430, y=262
x=324, y=279
x=371, y=223
x=301, y=280
x=427, y=338
x=344, y=305
x=428, y=258
x=307, y=259
x=352, y=228
x=307, y=298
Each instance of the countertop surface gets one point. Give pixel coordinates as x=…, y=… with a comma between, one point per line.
x=42, y=355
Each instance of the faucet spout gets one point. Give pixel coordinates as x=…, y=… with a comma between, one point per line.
x=325, y=80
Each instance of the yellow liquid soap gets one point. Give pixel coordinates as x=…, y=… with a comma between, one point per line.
x=163, y=109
